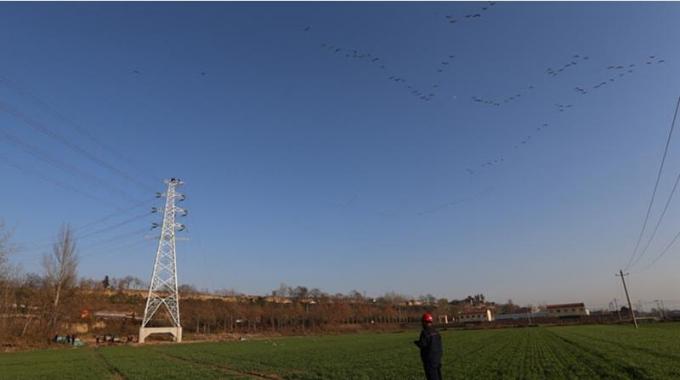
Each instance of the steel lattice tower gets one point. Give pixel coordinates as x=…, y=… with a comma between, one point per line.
x=163, y=288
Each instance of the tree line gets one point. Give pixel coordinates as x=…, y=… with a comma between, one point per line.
x=35, y=307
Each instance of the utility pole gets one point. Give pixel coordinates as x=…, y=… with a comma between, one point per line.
x=625, y=289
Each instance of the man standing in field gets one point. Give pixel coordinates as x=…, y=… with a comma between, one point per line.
x=430, y=344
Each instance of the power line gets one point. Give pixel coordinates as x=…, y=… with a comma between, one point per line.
x=656, y=227
x=82, y=228
x=662, y=253
x=54, y=181
x=98, y=243
x=23, y=91
x=117, y=225
x=99, y=253
x=114, y=214
x=93, y=233
x=45, y=157
x=114, y=249
x=37, y=126
x=656, y=185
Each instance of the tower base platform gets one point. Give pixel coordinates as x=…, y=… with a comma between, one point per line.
x=176, y=332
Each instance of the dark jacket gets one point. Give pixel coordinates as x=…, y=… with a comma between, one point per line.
x=430, y=344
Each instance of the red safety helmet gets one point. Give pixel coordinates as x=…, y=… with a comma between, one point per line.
x=427, y=318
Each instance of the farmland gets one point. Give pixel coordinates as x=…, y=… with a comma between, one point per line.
x=567, y=352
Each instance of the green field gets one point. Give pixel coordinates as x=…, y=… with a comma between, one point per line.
x=575, y=352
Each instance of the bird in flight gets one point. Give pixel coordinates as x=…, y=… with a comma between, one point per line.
x=308, y=28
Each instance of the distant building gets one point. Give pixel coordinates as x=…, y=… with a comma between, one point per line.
x=277, y=299
x=112, y=315
x=567, y=310
x=481, y=315
x=522, y=313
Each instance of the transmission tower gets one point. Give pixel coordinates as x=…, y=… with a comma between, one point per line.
x=163, y=288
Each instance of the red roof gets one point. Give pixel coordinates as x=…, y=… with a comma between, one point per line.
x=564, y=305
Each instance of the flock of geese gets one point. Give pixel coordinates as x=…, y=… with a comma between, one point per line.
x=410, y=87
x=506, y=100
x=617, y=72
x=427, y=93
x=572, y=63
x=620, y=71
x=453, y=19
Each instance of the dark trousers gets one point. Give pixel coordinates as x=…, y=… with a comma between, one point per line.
x=433, y=371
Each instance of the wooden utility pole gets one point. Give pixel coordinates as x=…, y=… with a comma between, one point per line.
x=625, y=289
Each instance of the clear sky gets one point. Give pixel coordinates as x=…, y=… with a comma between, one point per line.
x=385, y=165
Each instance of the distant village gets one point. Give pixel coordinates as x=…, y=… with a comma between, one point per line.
x=110, y=310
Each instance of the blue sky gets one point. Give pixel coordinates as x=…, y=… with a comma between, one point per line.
x=309, y=166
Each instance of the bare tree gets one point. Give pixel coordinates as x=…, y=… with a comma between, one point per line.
x=6, y=248
x=60, y=270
